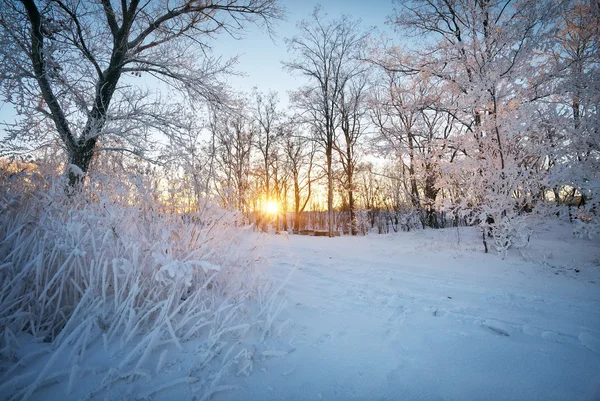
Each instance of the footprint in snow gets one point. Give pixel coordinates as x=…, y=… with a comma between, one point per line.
x=435, y=312
x=395, y=375
x=530, y=330
x=397, y=314
x=324, y=339
x=553, y=337
x=497, y=327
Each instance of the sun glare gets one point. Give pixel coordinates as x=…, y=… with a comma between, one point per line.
x=271, y=207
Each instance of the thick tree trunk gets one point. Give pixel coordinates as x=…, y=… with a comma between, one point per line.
x=81, y=150
x=80, y=157
x=284, y=211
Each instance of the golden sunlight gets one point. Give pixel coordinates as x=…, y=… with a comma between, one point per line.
x=271, y=207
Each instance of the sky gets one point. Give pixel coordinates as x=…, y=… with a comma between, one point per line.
x=260, y=56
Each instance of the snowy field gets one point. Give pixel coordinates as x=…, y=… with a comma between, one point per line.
x=427, y=316
x=423, y=315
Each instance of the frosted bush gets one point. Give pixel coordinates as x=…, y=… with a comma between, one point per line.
x=409, y=220
x=502, y=227
x=586, y=223
x=110, y=264
x=510, y=231
x=362, y=221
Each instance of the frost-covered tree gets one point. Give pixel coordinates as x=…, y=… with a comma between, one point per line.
x=414, y=128
x=78, y=64
x=486, y=52
x=574, y=54
x=187, y=157
x=281, y=173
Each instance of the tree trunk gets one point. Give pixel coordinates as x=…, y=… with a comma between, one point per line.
x=296, y=222
x=296, y=205
x=411, y=170
x=284, y=212
x=80, y=156
x=80, y=151
x=576, y=111
x=430, y=196
x=329, y=192
x=352, y=207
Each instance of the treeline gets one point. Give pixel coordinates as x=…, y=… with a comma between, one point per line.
x=477, y=112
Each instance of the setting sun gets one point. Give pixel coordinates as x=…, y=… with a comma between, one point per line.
x=271, y=207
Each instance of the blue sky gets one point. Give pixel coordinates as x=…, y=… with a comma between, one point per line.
x=261, y=57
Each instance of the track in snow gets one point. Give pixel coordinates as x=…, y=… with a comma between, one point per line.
x=425, y=316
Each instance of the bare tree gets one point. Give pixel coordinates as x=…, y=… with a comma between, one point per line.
x=395, y=114
x=352, y=109
x=300, y=154
x=189, y=158
x=327, y=53
x=233, y=138
x=281, y=173
x=266, y=116
x=68, y=59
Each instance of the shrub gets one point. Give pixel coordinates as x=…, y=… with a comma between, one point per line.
x=109, y=265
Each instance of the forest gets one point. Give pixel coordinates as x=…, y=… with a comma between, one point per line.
x=138, y=187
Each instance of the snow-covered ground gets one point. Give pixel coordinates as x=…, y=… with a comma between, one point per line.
x=424, y=315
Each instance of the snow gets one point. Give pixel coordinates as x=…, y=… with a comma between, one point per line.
x=424, y=315
x=590, y=342
x=76, y=170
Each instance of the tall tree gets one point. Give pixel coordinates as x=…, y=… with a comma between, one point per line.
x=327, y=52
x=266, y=116
x=575, y=57
x=412, y=125
x=352, y=108
x=300, y=155
x=486, y=52
x=68, y=59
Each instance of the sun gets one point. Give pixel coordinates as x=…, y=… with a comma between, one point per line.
x=271, y=207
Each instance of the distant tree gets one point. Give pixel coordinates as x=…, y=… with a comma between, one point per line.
x=233, y=140
x=281, y=173
x=66, y=61
x=412, y=126
x=327, y=53
x=266, y=116
x=352, y=108
x=300, y=155
x=189, y=158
